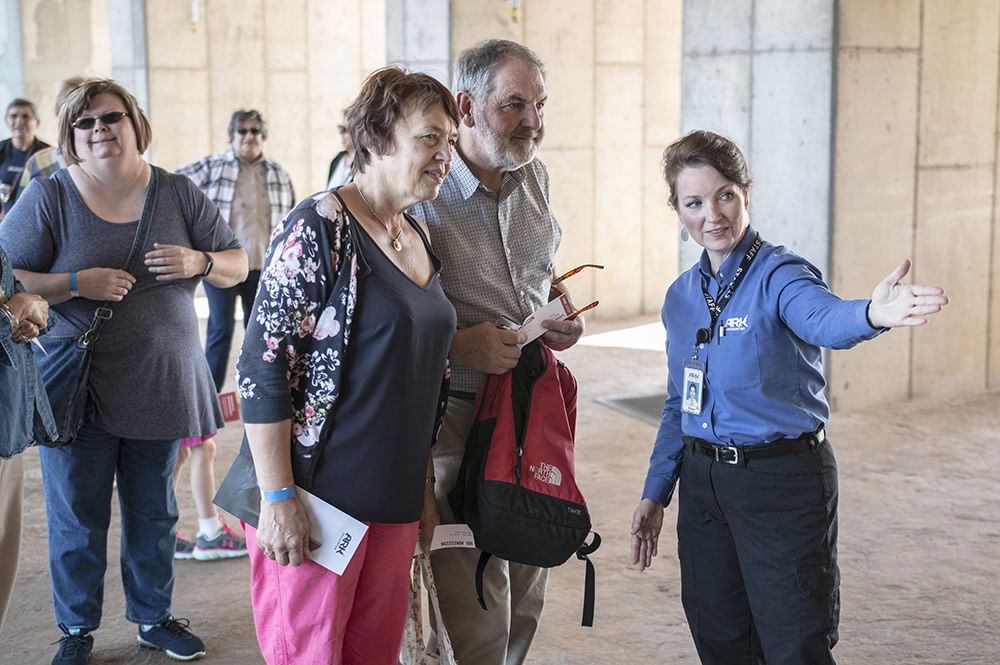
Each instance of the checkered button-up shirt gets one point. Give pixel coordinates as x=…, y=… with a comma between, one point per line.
x=497, y=249
x=216, y=175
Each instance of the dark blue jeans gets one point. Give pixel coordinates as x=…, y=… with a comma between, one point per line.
x=221, y=322
x=78, y=487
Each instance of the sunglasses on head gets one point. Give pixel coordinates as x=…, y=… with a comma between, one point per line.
x=109, y=118
x=243, y=130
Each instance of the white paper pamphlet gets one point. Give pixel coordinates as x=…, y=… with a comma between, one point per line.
x=338, y=533
x=556, y=310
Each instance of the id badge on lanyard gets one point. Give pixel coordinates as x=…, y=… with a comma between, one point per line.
x=694, y=383
x=692, y=398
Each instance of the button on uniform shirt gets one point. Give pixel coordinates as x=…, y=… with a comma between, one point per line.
x=497, y=249
x=763, y=377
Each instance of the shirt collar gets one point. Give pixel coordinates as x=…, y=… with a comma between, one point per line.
x=468, y=183
x=728, y=266
x=233, y=159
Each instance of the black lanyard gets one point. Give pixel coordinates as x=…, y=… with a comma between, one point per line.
x=704, y=335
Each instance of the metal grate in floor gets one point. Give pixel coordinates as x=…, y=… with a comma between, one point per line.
x=647, y=408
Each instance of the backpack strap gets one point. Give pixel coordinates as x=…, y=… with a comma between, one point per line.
x=480, y=568
x=589, y=581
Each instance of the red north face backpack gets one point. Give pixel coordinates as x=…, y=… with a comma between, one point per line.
x=516, y=487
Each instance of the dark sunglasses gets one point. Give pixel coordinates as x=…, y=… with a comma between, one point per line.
x=109, y=118
x=243, y=130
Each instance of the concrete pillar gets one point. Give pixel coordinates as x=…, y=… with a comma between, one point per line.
x=12, y=82
x=762, y=73
x=128, y=47
x=418, y=36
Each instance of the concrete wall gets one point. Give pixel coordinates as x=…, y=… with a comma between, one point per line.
x=614, y=95
x=916, y=173
x=760, y=72
x=418, y=36
x=12, y=80
x=58, y=40
x=299, y=62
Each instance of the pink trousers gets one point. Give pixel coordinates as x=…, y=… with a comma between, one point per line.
x=306, y=615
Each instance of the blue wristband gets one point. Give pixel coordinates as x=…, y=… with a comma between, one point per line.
x=73, y=290
x=278, y=495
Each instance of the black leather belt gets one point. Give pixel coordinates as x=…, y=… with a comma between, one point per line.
x=740, y=454
x=462, y=394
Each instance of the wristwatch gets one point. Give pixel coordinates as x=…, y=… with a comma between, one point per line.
x=209, y=265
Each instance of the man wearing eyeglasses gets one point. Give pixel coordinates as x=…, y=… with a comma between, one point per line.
x=22, y=121
x=493, y=228
x=253, y=194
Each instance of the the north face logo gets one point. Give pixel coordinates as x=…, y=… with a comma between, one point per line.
x=546, y=473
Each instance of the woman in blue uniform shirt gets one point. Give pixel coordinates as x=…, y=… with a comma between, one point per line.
x=757, y=520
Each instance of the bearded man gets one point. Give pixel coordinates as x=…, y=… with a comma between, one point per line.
x=493, y=228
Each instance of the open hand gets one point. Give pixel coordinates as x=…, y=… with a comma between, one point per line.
x=646, y=524
x=894, y=304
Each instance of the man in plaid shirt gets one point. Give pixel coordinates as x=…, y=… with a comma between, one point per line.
x=253, y=194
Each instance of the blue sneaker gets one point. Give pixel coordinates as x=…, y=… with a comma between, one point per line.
x=172, y=637
x=73, y=649
x=184, y=549
x=226, y=545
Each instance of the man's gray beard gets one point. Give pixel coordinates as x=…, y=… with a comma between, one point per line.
x=501, y=155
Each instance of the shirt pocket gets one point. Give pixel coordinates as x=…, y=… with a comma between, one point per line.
x=736, y=360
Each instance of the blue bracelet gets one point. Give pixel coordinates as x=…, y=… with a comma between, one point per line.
x=278, y=495
x=73, y=290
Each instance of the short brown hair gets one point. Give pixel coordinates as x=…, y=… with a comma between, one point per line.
x=705, y=148
x=78, y=100
x=386, y=96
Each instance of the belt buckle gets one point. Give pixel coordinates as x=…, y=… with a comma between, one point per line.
x=721, y=450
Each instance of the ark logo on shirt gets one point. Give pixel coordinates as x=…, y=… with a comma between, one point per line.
x=737, y=323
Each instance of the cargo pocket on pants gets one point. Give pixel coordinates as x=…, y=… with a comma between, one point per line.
x=819, y=602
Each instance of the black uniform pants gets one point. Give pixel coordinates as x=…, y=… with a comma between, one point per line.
x=757, y=543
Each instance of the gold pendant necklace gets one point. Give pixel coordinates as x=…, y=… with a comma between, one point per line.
x=396, y=245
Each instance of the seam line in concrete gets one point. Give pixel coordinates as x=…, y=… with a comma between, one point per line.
x=916, y=185
x=992, y=274
x=754, y=51
x=953, y=167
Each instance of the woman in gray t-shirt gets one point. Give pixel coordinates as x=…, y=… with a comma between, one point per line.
x=68, y=238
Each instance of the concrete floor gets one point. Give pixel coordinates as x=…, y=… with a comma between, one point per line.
x=919, y=544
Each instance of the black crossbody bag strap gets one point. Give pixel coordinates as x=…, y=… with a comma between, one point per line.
x=104, y=312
